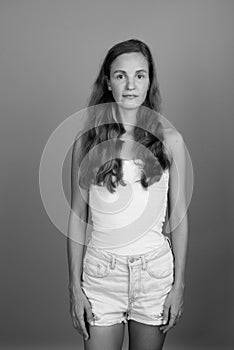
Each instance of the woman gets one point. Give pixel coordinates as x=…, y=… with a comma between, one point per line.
x=131, y=272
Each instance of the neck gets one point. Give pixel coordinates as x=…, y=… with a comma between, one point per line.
x=128, y=118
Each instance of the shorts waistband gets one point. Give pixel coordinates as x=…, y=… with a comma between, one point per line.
x=130, y=259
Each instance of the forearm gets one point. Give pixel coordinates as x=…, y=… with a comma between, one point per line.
x=179, y=237
x=75, y=250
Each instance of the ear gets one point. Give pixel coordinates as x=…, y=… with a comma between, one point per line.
x=108, y=82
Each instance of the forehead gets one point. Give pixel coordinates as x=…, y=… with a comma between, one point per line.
x=130, y=61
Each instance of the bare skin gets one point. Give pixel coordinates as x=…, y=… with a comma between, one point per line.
x=141, y=336
x=105, y=337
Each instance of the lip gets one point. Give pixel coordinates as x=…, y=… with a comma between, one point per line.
x=130, y=96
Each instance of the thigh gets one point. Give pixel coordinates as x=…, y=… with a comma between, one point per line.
x=105, y=337
x=151, y=285
x=106, y=288
x=144, y=336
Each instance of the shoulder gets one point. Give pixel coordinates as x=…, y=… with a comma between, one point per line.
x=173, y=140
x=172, y=136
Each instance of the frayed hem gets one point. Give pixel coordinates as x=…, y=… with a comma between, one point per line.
x=95, y=323
x=150, y=323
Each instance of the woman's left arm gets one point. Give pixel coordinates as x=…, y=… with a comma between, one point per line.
x=178, y=221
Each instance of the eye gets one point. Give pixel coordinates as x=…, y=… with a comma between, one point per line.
x=140, y=75
x=119, y=76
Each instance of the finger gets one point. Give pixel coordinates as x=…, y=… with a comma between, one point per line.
x=75, y=321
x=178, y=317
x=77, y=326
x=73, y=317
x=83, y=329
x=176, y=320
x=171, y=323
x=79, y=317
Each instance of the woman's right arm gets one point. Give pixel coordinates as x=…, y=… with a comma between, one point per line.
x=79, y=304
x=75, y=247
x=77, y=222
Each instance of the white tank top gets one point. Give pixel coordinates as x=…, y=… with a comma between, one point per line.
x=129, y=221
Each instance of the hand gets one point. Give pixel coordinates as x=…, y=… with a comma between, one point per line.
x=79, y=304
x=173, y=308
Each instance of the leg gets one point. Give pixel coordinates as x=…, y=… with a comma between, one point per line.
x=144, y=337
x=105, y=337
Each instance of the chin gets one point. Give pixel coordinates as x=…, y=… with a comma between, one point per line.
x=129, y=105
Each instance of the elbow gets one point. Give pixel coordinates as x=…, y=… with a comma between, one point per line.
x=179, y=220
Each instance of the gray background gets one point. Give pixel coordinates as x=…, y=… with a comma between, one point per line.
x=50, y=52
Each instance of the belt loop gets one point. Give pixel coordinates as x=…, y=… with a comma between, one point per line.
x=113, y=259
x=143, y=262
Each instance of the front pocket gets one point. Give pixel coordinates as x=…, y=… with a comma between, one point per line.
x=161, y=267
x=96, y=267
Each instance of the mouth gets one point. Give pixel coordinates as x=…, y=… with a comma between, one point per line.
x=130, y=97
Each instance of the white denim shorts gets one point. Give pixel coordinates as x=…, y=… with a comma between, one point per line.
x=127, y=287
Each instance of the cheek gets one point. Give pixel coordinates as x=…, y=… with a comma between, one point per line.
x=117, y=87
x=116, y=91
x=145, y=85
x=145, y=89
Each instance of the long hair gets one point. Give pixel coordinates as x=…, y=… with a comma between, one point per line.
x=104, y=124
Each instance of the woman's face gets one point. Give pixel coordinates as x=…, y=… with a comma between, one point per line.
x=129, y=79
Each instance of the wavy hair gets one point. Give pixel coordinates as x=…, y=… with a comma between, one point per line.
x=101, y=143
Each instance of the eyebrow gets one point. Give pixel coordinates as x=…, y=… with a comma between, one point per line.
x=123, y=71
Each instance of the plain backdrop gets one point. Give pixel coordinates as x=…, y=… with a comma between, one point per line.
x=50, y=53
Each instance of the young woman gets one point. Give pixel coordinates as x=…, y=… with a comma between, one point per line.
x=128, y=170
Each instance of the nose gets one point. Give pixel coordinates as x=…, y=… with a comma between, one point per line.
x=130, y=84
